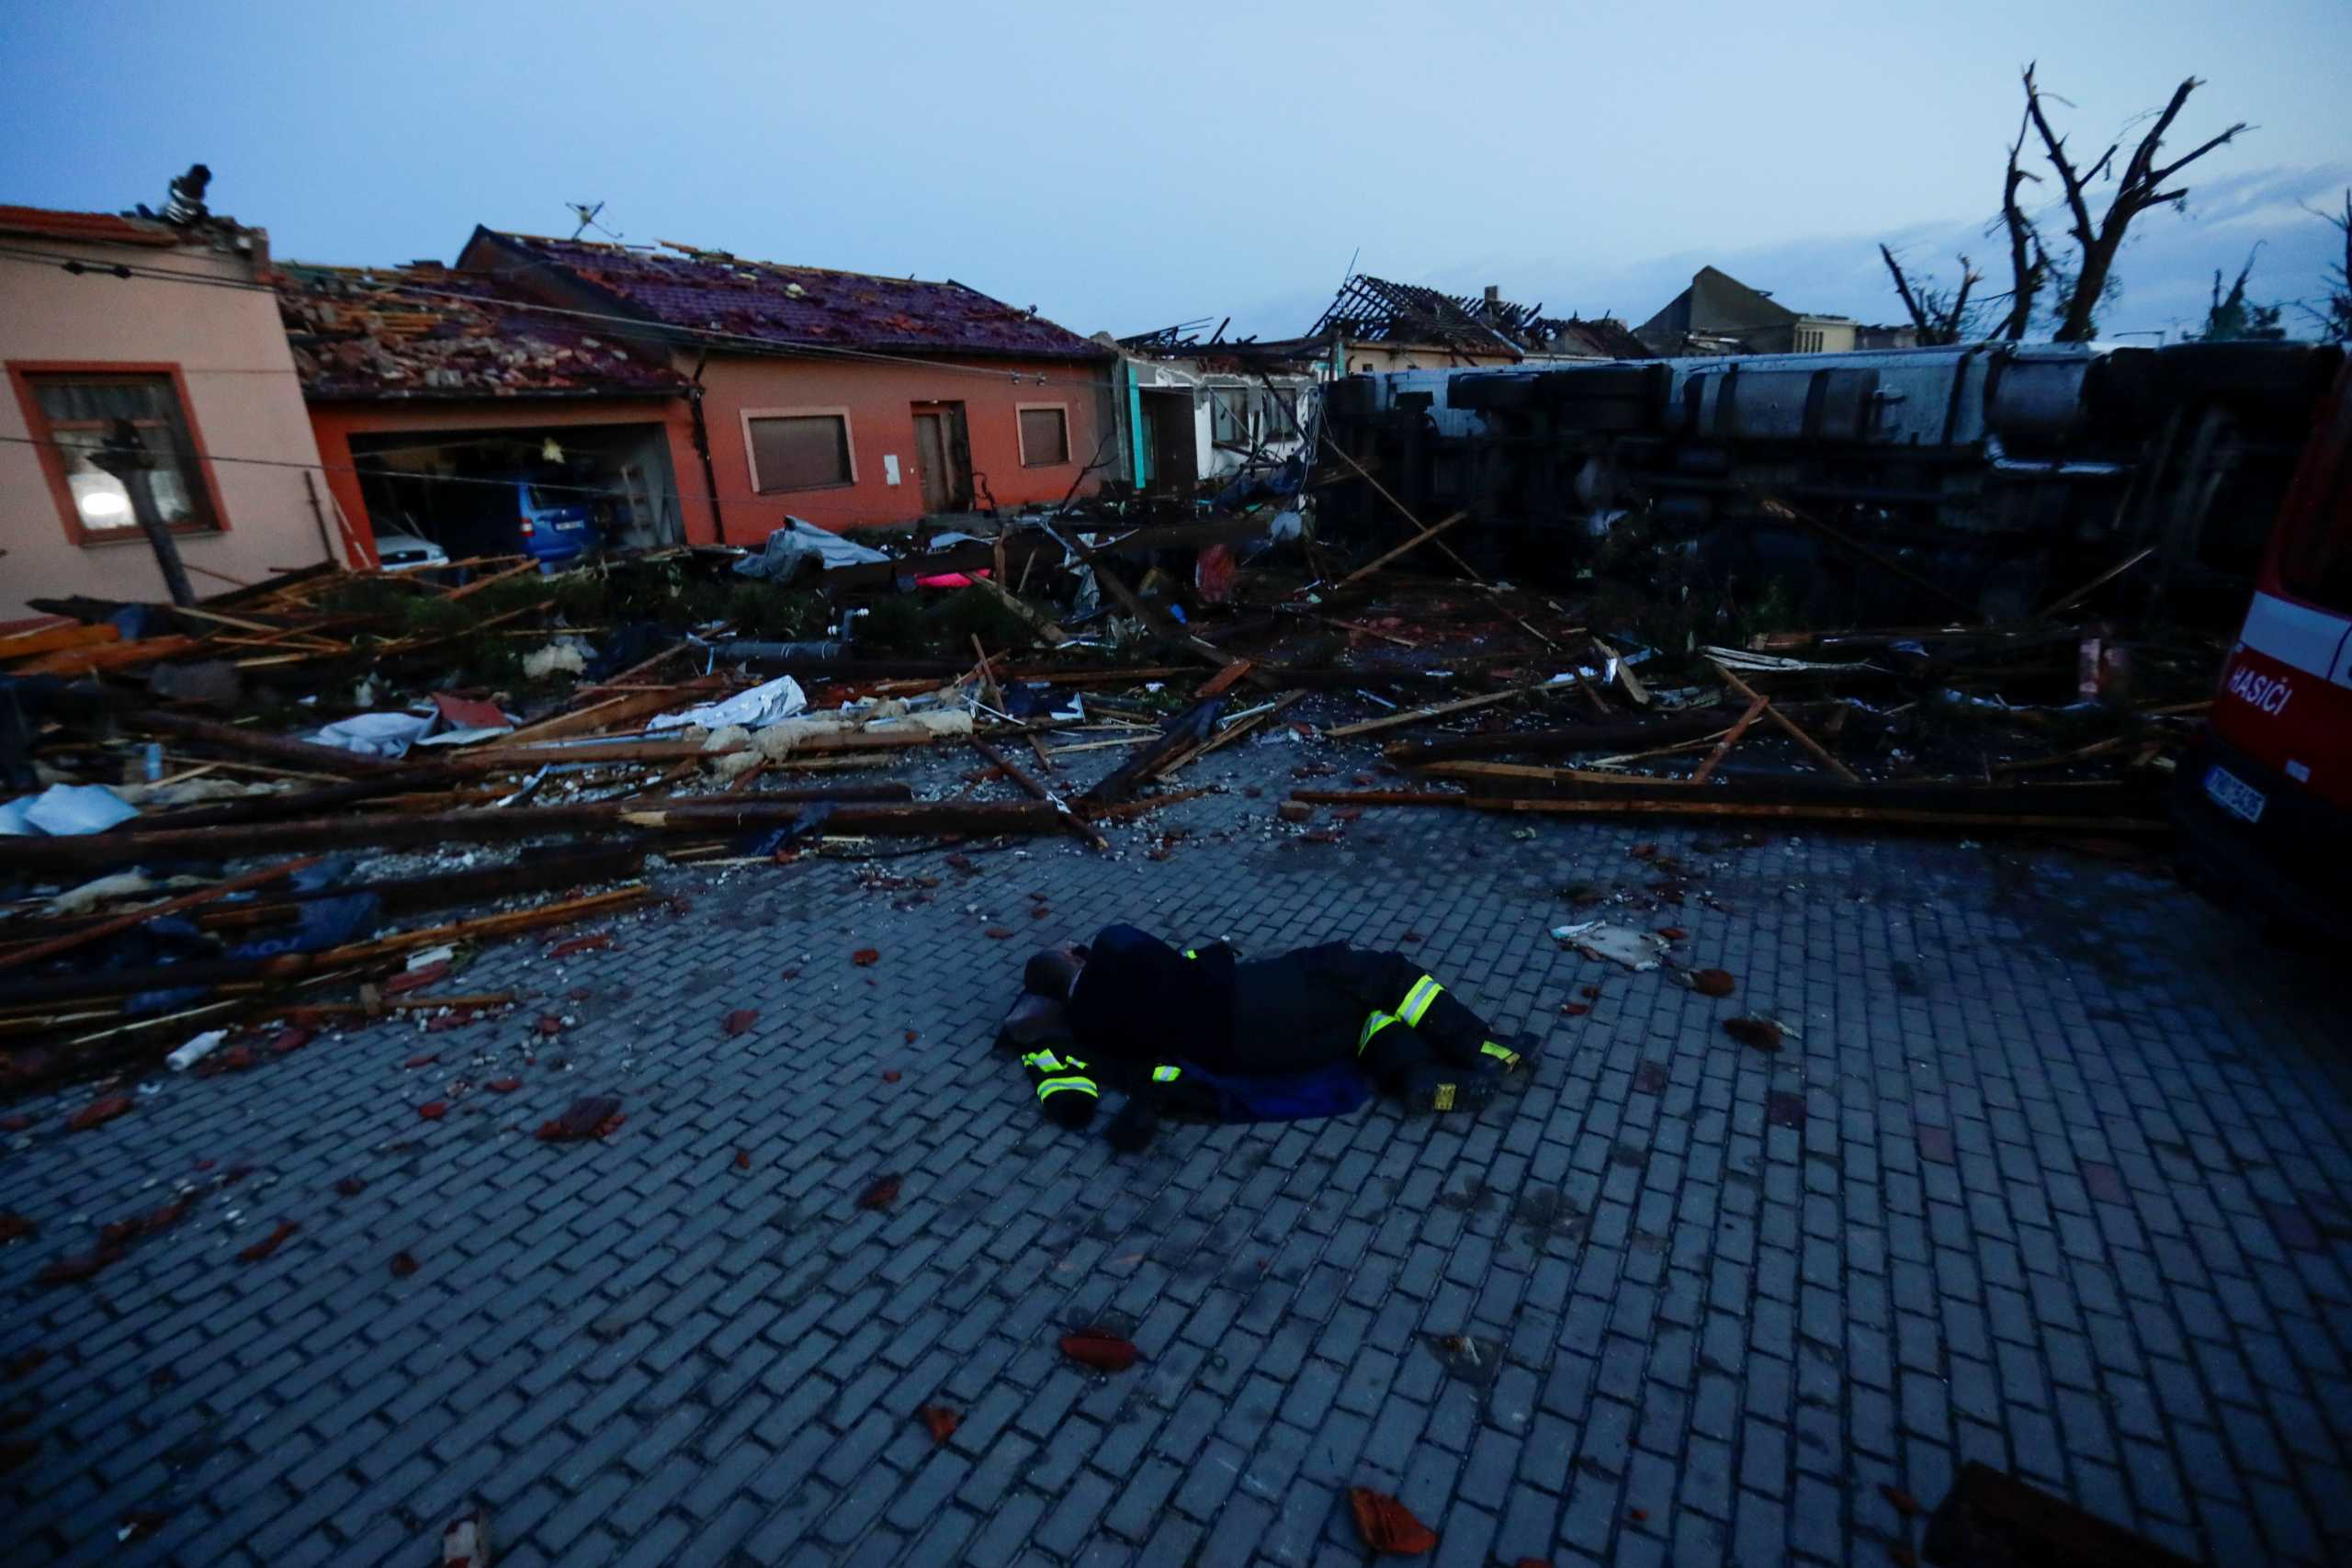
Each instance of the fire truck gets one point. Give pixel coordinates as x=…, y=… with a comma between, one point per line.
x=2264, y=801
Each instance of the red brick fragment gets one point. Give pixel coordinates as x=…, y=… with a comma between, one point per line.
x=741, y=1020
x=593, y=943
x=503, y=1085
x=881, y=1194
x=866, y=957
x=1762, y=1033
x=1672, y=933
x=742, y=1159
x=415, y=979
x=549, y=1024
x=351, y=1187
x=1712, y=982
x=402, y=1265
x=1388, y=1526
x=997, y=933
x=235, y=1059
x=434, y=1109
x=1592, y=993
x=1100, y=1348
x=290, y=1040
x=425, y=1060
x=104, y=1108
x=270, y=1243
x=74, y=1268
x=1575, y=1010
x=891, y=1074
x=591, y=1116
x=941, y=1421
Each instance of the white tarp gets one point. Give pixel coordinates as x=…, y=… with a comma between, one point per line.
x=798, y=544
x=375, y=734
x=1614, y=945
x=65, y=809
x=762, y=705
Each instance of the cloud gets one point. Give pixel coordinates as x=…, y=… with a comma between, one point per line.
x=2166, y=266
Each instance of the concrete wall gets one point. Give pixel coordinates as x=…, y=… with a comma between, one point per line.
x=242, y=401
x=878, y=400
x=1210, y=461
x=337, y=422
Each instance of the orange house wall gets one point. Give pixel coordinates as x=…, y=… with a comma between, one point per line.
x=879, y=400
x=335, y=423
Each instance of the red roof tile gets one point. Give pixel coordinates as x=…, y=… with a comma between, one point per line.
x=426, y=333
x=713, y=291
x=98, y=228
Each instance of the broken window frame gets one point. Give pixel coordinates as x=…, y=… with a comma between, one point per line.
x=181, y=483
x=1021, y=413
x=773, y=483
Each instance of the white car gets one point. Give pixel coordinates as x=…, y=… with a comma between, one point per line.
x=406, y=552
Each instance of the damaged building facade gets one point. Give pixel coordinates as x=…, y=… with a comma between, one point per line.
x=166, y=325
x=841, y=397
x=444, y=405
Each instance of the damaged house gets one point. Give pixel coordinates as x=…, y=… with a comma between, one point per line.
x=1375, y=324
x=164, y=324
x=1210, y=412
x=838, y=397
x=455, y=417
x=1719, y=314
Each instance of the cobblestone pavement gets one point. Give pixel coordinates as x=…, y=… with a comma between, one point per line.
x=2055, y=1176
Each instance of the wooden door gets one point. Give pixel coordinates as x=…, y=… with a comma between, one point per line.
x=932, y=464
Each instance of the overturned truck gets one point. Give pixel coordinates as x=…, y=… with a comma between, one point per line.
x=1988, y=477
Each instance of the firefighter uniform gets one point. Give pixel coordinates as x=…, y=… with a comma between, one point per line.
x=1141, y=1012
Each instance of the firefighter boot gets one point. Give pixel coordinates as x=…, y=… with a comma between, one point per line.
x=1438, y=1087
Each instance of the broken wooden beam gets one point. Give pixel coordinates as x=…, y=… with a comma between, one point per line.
x=1423, y=538
x=1795, y=732
x=116, y=924
x=1688, y=724
x=276, y=748
x=1435, y=710
x=1070, y=822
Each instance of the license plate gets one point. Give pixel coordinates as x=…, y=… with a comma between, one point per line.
x=2233, y=794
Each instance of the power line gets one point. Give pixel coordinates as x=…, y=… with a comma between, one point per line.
x=412, y=292
x=378, y=472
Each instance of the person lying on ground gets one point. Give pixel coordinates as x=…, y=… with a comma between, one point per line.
x=1201, y=1033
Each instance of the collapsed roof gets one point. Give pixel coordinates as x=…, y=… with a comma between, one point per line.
x=1375, y=310
x=714, y=291
x=424, y=332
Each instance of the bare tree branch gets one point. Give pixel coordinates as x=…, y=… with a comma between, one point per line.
x=1903, y=289
x=2026, y=265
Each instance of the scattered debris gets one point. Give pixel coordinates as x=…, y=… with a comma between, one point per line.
x=1388, y=1526
x=1100, y=1350
x=1612, y=943
x=588, y=1117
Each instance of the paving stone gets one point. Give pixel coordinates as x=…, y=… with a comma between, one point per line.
x=2033, y=1186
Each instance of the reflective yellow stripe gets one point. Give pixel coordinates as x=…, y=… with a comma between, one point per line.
x=1374, y=1025
x=1043, y=1061
x=1508, y=1058
x=1166, y=1075
x=1056, y=1086
x=1190, y=954
x=1417, y=1001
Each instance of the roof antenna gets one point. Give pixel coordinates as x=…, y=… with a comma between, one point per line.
x=586, y=212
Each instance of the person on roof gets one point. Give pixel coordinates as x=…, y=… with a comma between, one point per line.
x=1200, y=1031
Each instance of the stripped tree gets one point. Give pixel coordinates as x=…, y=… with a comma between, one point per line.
x=2142, y=184
x=2333, y=311
x=2081, y=277
x=1937, y=315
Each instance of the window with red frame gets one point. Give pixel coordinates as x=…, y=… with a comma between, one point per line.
x=79, y=409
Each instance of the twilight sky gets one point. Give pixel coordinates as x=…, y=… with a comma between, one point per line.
x=1125, y=168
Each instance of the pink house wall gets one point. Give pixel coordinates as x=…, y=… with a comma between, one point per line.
x=879, y=400
x=228, y=354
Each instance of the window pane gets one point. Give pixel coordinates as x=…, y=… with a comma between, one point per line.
x=800, y=452
x=1045, y=438
x=76, y=401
